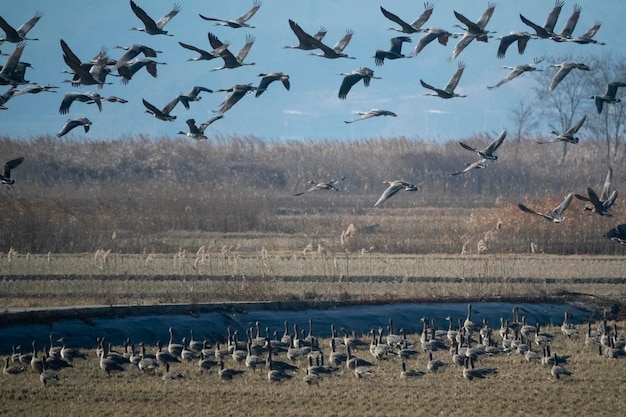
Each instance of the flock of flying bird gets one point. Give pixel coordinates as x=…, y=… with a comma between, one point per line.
x=467, y=343
x=94, y=72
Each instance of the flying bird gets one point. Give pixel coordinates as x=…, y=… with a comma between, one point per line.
x=618, y=234
x=441, y=35
x=564, y=69
x=394, y=52
x=164, y=113
x=6, y=96
x=351, y=78
x=608, y=96
x=547, y=30
x=556, y=215
x=150, y=26
x=473, y=30
x=325, y=185
x=448, y=90
x=5, y=178
x=133, y=51
x=521, y=38
x=372, y=113
x=237, y=92
x=267, y=79
x=306, y=41
x=193, y=95
x=337, y=50
x=570, y=25
x=203, y=54
x=568, y=135
x=516, y=71
x=128, y=70
x=240, y=22
x=13, y=70
x=231, y=61
x=18, y=35
x=88, y=97
x=482, y=163
x=86, y=73
x=488, y=152
x=197, y=132
x=35, y=89
x=72, y=123
x=602, y=204
x=587, y=37
x=394, y=187
x=417, y=24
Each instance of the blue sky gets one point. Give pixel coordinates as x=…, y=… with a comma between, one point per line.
x=311, y=109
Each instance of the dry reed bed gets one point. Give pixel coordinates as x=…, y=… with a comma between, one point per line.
x=518, y=388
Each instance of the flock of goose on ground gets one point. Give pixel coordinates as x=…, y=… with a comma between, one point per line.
x=466, y=342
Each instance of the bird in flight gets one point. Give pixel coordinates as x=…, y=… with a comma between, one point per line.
x=393, y=188
x=556, y=215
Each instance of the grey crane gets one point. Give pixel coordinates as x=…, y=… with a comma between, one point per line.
x=133, y=51
x=516, y=71
x=203, y=54
x=568, y=135
x=351, y=78
x=150, y=26
x=197, y=132
x=394, y=52
x=448, y=90
x=556, y=215
x=521, y=38
x=608, y=96
x=570, y=25
x=72, y=123
x=564, y=69
x=324, y=185
x=231, y=61
x=393, y=188
x=18, y=35
x=267, y=79
x=473, y=30
x=617, y=234
x=482, y=163
x=417, y=24
x=88, y=97
x=305, y=41
x=547, y=30
x=35, y=89
x=237, y=92
x=372, y=113
x=240, y=22
x=13, y=70
x=602, y=204
x=587, y=37
x=164, y=113
x=9, y=165
x=441, y=35
x=128, y=70
x=337, y=50
x=193, y=95
x=488, y=152
x=87, y=73
x=6, y=96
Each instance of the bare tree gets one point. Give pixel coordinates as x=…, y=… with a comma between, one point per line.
x=524, y=116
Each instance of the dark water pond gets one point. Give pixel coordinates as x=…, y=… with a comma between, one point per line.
x=212, y=326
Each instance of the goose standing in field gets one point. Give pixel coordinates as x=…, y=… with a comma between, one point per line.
x=441, y=35
x=306, y=41
x=609, y=95
x=317, y=186
x=174, y=348
x=547, y=30
x=88, y=98
x=72, y=123
x=393, y=188
x=237, y=92
x=170, y=375
x=473, y=30
x=557, y=371
x=193, y=95
x=165, y=356
x=11, y=370
x=556, y=215
x=394, y=52
x=128, y=70
x=48, y=376
x=18, y=35
x=568, y=135
x=448, y=90
x=150, y=26
x=276, y=375
x=409, y=373
x=417, y=24
x=351, y=78
x=337, y=50
x=68, y=353
x=267, y=79
x=203, y=54
x=521, y=38
x=488, y=152
x=372, y=113
x=602, y=204
x=564, y=69
x=240, y=22
x=470, y=373
x=618, y=234
x=5, y=177
x=567, y=328
x=228, y=374
x=231, y=61
x=482, y=163
x=164, y=113
x=434, y=364
x=516, y=71
x=197, y=132
x=109, y=365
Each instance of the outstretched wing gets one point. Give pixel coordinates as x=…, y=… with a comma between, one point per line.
x=565, y=204
x=455, y=78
